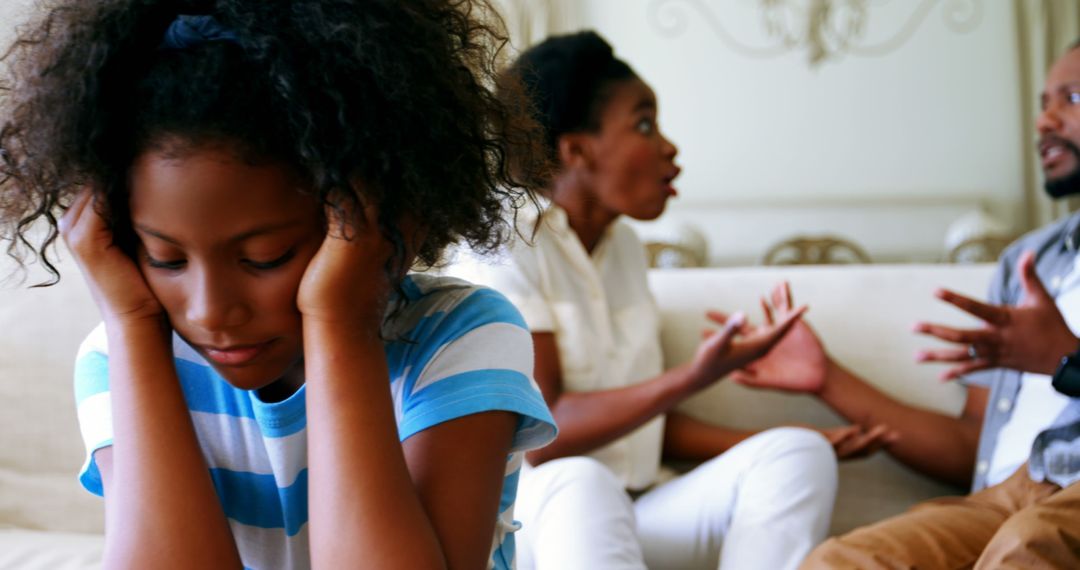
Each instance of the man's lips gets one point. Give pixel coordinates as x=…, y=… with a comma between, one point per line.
x=1054, y=151
x=234, y=355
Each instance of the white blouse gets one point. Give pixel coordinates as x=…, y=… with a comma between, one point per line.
x=599, y=307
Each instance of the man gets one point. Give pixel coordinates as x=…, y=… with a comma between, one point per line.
x=1024, y=511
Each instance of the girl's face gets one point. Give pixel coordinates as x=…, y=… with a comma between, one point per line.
x=632, y=164
x=223, y=245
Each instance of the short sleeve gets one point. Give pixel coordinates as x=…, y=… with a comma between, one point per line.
x=93, y=405
x=516, y=273
x=477, y=358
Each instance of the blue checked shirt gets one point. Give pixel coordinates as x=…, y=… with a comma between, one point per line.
x=1055, y=453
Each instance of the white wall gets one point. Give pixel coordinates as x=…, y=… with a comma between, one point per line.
x=12, y=12
x=884, y=150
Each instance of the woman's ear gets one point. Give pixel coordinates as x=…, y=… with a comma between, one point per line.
x=574, y=151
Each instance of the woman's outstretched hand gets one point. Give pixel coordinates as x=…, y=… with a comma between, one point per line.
x=737, y=344
x=117, y=285
x=798, y=363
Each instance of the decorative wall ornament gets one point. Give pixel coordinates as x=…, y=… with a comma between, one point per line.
x=815, y=250
x=826, y=29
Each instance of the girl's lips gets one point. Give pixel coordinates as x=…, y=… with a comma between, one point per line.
x=235, y=355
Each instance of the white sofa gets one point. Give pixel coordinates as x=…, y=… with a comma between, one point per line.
x=863, y=312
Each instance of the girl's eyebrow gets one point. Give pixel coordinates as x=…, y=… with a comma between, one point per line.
x=258, y=230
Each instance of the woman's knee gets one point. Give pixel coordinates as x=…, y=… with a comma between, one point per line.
x=584, y=473
x=804, y=448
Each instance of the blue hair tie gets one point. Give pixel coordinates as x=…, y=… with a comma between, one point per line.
x=190, y=31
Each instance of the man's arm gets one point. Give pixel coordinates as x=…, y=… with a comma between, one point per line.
x=939, y=445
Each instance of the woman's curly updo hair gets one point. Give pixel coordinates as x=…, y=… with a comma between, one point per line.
x=385, y=102
x=569, y=80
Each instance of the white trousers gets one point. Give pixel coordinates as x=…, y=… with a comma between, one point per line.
x=762, y=505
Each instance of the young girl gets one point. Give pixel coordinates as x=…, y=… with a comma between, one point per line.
x=244, y=184
x=759, y=500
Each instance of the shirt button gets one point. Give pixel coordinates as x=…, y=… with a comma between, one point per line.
x=1004, y=405
x=982, y=467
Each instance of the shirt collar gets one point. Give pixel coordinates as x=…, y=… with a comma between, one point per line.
x=1071, y=237
x=556, y=218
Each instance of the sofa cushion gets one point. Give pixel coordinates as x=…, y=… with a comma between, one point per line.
x=42, y=451
x=36, y=550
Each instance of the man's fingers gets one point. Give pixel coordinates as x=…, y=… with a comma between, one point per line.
x=781, y=296
x=767, y=311
x=961, y=336
x=785, y=324
x=769, y=336
x=967, y=368
x=1034, y=290
x=866, y=443
x=837, y=437
x=943, y=355
x=747, y=377
x=785, y=290
x=989, y=313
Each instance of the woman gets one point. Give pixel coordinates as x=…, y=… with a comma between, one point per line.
x=759, y=500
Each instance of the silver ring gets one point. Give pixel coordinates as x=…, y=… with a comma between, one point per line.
x=973, y=353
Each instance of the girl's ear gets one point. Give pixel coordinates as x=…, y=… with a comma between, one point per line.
x=575, y=151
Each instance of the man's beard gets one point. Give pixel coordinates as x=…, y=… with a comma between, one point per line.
x=1068, y=184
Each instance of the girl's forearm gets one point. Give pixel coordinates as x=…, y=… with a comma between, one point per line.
x=360, y=486
x=160, y=499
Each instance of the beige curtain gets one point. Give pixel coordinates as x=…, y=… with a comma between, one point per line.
x=530, y=21
x=1045, y=29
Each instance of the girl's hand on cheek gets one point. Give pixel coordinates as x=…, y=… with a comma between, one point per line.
x=346, y=281
x=118, y=287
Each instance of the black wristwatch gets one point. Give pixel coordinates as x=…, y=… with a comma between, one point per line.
x=1067, y=376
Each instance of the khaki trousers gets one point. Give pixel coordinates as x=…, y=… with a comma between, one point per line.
x=1017, y=524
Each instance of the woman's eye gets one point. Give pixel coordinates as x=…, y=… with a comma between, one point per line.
x=162, y=264
x=263, y=265
x=646, y=126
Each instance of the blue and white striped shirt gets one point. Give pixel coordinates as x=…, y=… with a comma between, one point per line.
x=455, y=349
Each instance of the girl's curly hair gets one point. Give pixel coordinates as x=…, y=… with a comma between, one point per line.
x=389, y=102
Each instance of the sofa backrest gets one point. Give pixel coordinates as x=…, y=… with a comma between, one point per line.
x=40, y=332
